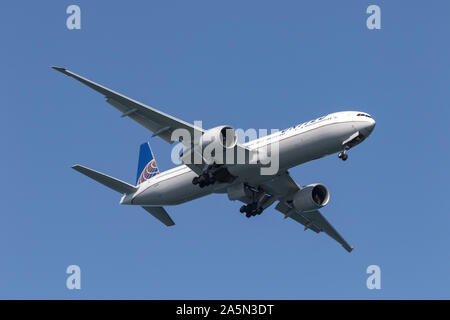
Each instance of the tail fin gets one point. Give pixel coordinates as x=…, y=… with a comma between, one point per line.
x=147, y=167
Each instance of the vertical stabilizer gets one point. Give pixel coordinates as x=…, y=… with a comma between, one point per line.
x=147, y=167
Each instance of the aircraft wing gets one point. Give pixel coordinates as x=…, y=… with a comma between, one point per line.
x=283, y=187
x=158, y=122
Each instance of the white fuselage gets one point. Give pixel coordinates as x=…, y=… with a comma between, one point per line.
x=302, y=143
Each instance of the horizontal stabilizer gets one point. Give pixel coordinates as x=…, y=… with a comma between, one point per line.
x=110, y=182
x=161, y=214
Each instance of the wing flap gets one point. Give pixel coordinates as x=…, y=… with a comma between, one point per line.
x=290, y=213
x=315, y=221
x=322, y=224
x=144, y=121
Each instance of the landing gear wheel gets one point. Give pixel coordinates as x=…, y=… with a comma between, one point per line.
x=204, y=180
x=342, y=155
x=251, y=210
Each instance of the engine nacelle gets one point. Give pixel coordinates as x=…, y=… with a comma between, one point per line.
x=223, y=136
x=311, y=197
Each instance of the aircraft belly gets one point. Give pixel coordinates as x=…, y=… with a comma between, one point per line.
x=299, y=149
x=181, y=189
x=293, y=151
x=172, y=191
x=312, y=145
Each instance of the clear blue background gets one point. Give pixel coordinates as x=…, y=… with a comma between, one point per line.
x=252, y=64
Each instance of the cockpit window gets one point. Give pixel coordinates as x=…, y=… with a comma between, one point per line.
x=363, y=115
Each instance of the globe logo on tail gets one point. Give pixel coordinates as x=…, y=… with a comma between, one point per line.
x=149, y=171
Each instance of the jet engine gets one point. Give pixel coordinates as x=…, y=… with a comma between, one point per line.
x=212, y=146
x=311, y=197
x=223, y=136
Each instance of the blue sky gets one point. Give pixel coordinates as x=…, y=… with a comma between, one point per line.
x=252, y=64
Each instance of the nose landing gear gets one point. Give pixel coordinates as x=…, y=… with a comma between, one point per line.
x=343, y=155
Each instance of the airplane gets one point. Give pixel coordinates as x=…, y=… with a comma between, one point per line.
x=242, y=181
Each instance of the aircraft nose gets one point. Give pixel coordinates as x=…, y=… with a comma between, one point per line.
x=368, y=128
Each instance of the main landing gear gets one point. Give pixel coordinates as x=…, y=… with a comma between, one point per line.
x=251, y=209
x=212, y=174
x=259, y=202
x=204, y=180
